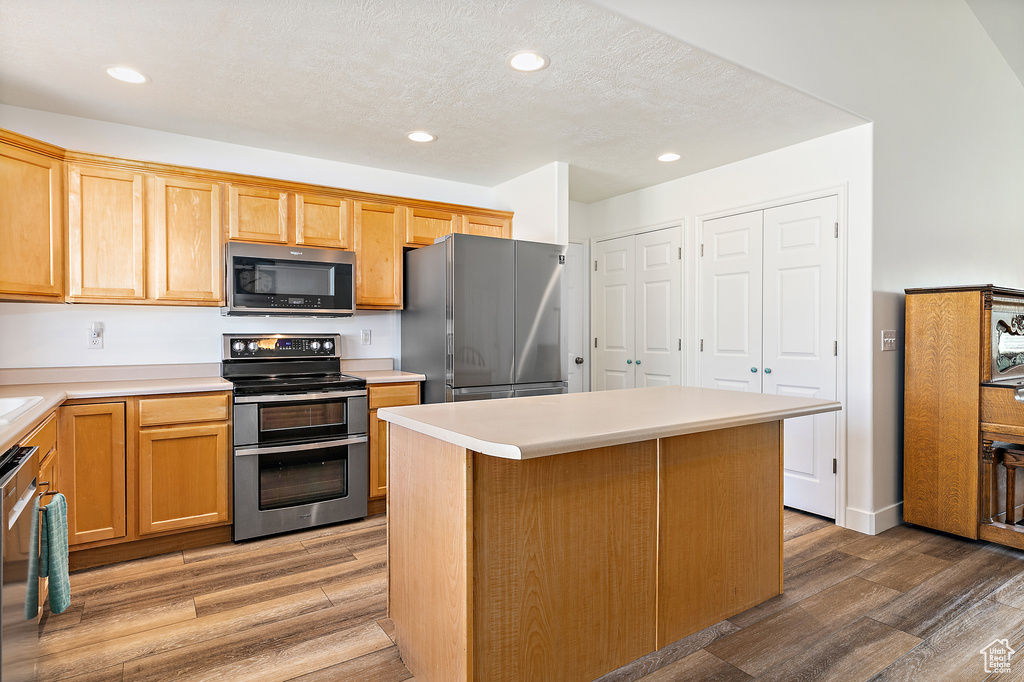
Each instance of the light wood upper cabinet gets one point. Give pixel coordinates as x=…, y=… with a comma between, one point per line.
x=259, y=215
x=31, y=226
x=323, y=221
x=106, y=234
x=487, y=226
x=423, y=225
x=91, y=469
x=183, y=477
x=185, y=241
x=379, y=233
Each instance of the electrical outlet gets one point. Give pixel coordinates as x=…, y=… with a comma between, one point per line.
x=888, y=339
x=94, y=339
x=365, y=337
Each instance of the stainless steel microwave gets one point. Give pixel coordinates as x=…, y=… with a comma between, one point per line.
x=268, y=279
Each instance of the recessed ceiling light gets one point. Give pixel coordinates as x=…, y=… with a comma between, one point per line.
x=421, y=136
x=527, y=60
x=123, y=73
x=671, y=156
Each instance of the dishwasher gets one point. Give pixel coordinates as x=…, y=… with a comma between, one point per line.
x=19, y=623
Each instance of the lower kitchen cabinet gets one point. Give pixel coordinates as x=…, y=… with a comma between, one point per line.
x=183, y=477
x=385, y=395
x=91, y=471
x=145, y=467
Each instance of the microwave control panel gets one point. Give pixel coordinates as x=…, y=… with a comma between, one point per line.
x=281, y=346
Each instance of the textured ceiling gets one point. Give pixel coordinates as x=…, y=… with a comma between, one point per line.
x=346, y=79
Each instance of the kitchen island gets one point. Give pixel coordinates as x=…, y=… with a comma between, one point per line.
x=561, y=537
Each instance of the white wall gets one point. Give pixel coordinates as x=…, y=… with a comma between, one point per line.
x=841, y=160
x=143, y=335
x=540, y=200
x=130, y=142
x=948, y=146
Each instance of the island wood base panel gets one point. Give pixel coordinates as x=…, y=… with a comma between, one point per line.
x=570, y=566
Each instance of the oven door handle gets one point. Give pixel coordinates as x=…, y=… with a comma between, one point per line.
x=242, y=452
x=296, y=397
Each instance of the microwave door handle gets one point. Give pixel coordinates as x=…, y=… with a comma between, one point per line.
x=242, y=452
x=297, y=397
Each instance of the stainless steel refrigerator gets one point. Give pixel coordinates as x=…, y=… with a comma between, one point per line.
x=483, y=318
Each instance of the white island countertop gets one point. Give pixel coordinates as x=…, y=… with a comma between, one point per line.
x=523, y=428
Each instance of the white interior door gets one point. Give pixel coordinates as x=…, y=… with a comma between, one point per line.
x=575, y=323
x=658, y=330
x=799, y=352
x=614, y=313
x=730, y=323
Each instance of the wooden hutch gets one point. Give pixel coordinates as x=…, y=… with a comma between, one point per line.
x=964, y=411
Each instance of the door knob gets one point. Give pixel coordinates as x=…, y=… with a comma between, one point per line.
x=754, y=370
x=578, y=361
x=638, y=362
x=767, y=370
x=629, y=362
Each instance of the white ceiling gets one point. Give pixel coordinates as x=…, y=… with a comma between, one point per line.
x=346, y=79
x=1003, y=20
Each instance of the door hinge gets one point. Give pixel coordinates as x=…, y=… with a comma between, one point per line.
x=701, y=250
x=837, y=230
x=834, y=470
x=595, y=266
x=595, y=342
x=835, y=348
x=680, y=253
x=680, y=344
x=702, y=345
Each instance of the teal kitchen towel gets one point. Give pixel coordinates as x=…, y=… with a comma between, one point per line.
x=32, y=598
x=53, y=559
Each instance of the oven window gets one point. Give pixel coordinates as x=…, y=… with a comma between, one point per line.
x=304, y=477
x=302, y=420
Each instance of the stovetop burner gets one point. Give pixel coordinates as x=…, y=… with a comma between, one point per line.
x=295, y=383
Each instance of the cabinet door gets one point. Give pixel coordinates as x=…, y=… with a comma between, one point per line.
x=423, y=226
x=91, y=469
x=385, y=395
x=378, y=244
x=257, y=215
x=31, y=226
x=323, y=221
x=183, y=477
x=106, y=237
x=186, y=262
x=486, y=226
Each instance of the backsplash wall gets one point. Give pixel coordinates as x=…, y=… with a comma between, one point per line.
x=54, y=335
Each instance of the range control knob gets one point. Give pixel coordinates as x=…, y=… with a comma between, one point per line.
x=315, y=345
x=253, y=346
x=238, y=346
x=328, y=345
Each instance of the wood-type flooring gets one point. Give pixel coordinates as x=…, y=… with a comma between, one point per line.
x=909, y=604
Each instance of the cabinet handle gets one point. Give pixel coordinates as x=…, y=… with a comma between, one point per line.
x=629, y=362
x=637, y=362
x=753, y=370
x=767, y=370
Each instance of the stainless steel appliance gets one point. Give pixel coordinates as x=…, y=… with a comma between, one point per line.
x=267, y=279
x=301, y=455
x=482, y=318
x=19, y=637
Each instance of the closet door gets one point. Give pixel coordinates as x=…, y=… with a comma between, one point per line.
x=614, y=314
x=730, y=318
x=799, y=352
x=658, y=321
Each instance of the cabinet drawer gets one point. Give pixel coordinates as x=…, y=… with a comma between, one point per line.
x=998, y=406
x=393, y=395
x=44, y=437
x=184, y=409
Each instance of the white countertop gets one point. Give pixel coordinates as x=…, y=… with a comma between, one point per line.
x=385, y=376
x=522, y=428
x=54, y=394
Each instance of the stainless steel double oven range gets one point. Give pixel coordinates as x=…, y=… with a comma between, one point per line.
x=301, y=451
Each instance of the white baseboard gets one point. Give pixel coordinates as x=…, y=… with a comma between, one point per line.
x=873, y=523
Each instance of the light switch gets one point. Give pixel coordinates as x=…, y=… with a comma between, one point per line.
x=888, y=339
x=365, y=337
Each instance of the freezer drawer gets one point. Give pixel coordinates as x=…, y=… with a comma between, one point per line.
x=540, y=389
x=458, y=395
